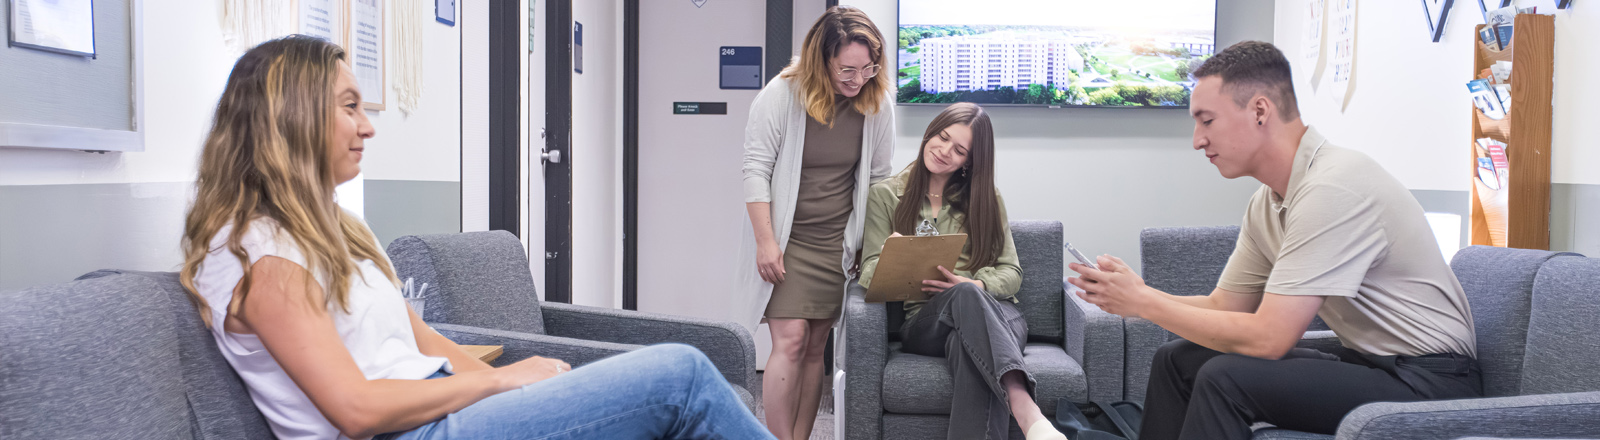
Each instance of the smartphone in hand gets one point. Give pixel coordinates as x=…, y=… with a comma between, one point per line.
x=1079, y=255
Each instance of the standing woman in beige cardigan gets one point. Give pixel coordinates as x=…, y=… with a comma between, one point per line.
x=819, y=135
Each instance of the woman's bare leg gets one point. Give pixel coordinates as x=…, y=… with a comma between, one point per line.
x=780, y=384
x=811, y=368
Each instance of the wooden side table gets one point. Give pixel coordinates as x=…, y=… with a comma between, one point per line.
x=485, y=353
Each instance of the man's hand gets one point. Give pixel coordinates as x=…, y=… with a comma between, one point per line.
x=1114, y=287
x=950, y=280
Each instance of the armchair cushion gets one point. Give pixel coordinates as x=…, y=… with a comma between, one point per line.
x=915, y=384
x=478, y=279
x=1102, y=347
x=91, y=359
x=217, y=396
x=866, y=342
x=1544, y=415
x=1040, y=299
x=1564, y=330
x=1499, y=286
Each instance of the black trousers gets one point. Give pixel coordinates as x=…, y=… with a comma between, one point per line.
x=1200, y=393
x=981, y=339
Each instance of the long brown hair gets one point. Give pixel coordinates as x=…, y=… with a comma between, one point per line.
x=267, y=157
x=837, y=28
x=970, y=192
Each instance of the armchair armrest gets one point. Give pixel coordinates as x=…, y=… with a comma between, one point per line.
x=729, y=345
x=1541, y=415
x=866, y=342
x=1099, y=339
x=519, y=346
x=1320, y=340
x=1142, y=338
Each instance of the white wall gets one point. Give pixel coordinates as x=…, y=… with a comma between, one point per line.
x=185, y=68
x=473, y=22
x=597, y=157
x=1410, y=110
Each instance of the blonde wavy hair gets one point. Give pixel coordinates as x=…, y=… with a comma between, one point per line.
x=837, y=28
x=267, y=157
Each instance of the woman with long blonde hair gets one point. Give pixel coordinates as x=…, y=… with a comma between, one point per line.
x=305, y=307
x=818, y=136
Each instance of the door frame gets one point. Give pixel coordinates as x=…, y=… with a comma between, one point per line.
x=505, y=118
x=630, y=154
x=558, y=139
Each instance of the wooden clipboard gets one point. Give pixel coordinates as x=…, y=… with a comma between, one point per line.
x=906, y=261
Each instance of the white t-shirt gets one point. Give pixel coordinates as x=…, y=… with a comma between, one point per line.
x=377, y=331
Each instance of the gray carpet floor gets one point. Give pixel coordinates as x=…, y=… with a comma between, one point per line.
x=823, y=428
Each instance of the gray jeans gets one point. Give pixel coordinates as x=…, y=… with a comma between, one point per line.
x=981, y=339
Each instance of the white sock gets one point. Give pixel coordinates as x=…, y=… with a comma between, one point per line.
x=1043, y=430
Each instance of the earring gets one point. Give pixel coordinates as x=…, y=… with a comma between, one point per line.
x=1258, y=122
x=963, y=172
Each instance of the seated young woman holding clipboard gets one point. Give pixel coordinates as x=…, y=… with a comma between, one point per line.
x=971, y=317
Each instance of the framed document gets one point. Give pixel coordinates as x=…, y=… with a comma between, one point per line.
x=367, y=51
x=322, y=19
x=63, y=26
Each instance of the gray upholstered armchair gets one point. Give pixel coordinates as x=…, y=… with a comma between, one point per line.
x=1534, y=315
x=480, y=292
x=1074, y=349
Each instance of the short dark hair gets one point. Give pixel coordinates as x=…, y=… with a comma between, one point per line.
x=1253, y=67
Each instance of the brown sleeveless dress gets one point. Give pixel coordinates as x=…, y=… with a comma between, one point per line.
x=813, y=287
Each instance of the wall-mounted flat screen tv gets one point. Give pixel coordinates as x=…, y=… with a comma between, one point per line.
x=1067, y=53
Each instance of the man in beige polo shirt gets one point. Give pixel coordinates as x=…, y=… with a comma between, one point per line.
x=1329, y=234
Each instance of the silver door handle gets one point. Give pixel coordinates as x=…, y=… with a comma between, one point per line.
x=548, y=156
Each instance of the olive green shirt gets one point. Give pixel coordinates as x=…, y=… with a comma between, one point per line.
x=1001, y=280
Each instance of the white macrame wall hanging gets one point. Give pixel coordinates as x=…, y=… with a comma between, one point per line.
x=407, y=73
x=246, y=23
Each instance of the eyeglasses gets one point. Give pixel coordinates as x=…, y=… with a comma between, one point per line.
x=865, y=72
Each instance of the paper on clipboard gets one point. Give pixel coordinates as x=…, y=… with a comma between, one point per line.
x=906, y=261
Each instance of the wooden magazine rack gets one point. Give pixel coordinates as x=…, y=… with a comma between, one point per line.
x=1518, y=213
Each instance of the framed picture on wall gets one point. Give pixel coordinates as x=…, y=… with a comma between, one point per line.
x=322, y=19
x=63, y=26
x=367, y=50
x=1437, y=11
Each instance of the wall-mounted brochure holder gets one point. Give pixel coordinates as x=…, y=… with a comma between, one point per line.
x=1510, y=158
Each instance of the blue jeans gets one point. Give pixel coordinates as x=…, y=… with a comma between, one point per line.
x=668, y=391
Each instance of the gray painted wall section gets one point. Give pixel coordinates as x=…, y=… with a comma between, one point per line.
x=1575, y=218
x=1454, y=202
x=54, y=233
x=397, y=208
x=1574, y=215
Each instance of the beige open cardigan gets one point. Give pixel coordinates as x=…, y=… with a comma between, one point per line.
x=773, y=143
